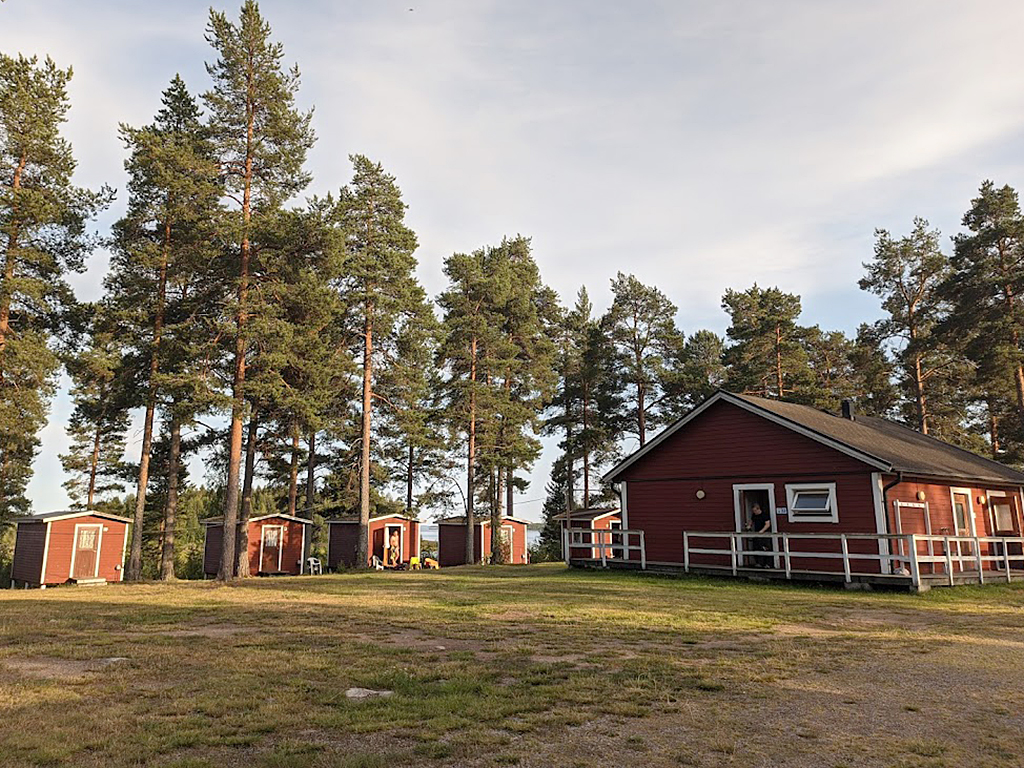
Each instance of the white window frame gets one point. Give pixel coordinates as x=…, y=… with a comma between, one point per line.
x=1002, y=496
x=792, y=489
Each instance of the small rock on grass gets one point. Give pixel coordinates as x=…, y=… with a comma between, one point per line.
x=365, y=693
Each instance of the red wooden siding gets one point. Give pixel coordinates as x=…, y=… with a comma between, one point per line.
x=344, y=534
x=451, y=543
x=28, y=553
x=291, y=542
x=938, y=496
x=61, y=544
x=725, y=446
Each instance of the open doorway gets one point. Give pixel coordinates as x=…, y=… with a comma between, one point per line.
x=745, y=497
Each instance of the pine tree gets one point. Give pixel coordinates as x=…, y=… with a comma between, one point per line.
x=382, y=292
x=986, y=288
x=161, y=246
x=472, y=328
x=641, y=325
x=906, y=274
x=43, y=236
x=99, y=421
x=766, y=356
x=260, y=141
x=702, y=368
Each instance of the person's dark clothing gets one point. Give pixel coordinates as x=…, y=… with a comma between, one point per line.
x=758, y=522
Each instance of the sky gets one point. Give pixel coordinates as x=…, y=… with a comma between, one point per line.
x=700, y=146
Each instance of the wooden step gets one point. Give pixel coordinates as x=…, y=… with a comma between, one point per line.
x=90, y=582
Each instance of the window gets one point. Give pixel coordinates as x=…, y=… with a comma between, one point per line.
x=1002, y=513
x=812, y=503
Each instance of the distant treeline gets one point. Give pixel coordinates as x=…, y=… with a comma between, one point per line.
x=292, y=345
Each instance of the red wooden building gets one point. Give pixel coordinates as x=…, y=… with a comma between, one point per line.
x=394, y=540
x=591, y=520
x=74, y=546
x=848, y=488
x=451, y=540
x=277, y=545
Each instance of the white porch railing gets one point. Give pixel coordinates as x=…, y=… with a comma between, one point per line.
x=896, y=552
x=605, y=544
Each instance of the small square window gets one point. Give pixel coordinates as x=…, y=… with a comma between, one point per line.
x=812, y=503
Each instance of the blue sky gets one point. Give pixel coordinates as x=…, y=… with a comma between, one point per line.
x=700, y=146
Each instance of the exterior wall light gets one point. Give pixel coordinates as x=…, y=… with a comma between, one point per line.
x=920, y=496
x=700, y=494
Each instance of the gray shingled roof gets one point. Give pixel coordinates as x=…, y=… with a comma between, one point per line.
x=903, y=448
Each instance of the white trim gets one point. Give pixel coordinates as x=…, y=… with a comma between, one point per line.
x=263, y=537
x=972, y=527
x=792, y=489
x=302, y=553
x=880, y=514
x=292, y=518
x=46, y=554
x=74, y=548
x=992, y=509
x=401, y=539
x=50, y=517
x=728, y=397
x=737, y=494
x=399, y=518
x=124, y=549
x=624, y=509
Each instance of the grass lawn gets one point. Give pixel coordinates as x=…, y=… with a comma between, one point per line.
x=534, y=666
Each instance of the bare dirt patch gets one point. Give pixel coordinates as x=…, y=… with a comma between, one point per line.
x=60, y=669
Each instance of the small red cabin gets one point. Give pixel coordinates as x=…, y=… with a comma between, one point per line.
x=451, y=540
x=848, y=488
x=394, y=540
x=593, y=519
x=277, y=545
x=75, y=546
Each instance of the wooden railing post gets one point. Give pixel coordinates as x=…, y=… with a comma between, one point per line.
x=949, y=560
x=604, y=552
x=785, y=549
x=643, y=552
x=1006, y=559
x=686, y=552
x=846, y=557
x=732, y=548
x=915, y=566
x=565, y=544
x=980, y=562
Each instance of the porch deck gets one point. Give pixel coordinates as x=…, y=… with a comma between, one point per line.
x=908, y=561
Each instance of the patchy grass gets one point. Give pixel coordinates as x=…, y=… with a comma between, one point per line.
x=534, y=666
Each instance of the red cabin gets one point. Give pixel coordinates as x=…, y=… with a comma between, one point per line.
x=75, y=546
x=451, y=540
x=277, y=545
x=842, y=493
x=592, y=520
x=394, y=541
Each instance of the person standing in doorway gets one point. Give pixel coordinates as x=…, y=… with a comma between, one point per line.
x=761, y=522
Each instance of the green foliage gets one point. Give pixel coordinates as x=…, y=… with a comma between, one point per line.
x=43, y=236
x=642, y=330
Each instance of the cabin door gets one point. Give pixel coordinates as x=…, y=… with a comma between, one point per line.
x=616, y=538
x=745, y=498
x=392, y=545
x=87, y=552
x=378, y=544
x=270, y=550
x=963, y=520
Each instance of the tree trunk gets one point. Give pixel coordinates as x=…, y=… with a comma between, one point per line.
x=641, y=416
x=409, y=476
x=993, y=431
x=229, y=559
x=94, y=461
x=293, y=472
x=310, y=492
x=171, y=507
x=778, y=360
x=471, y=457
x=242, y=538
x=363, y=544
x=586, y=449
x=496, y=486
x=919, y=397
x=135, y=561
